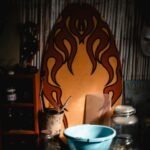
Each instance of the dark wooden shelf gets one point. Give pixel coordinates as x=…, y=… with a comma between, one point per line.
x=29, y=132
x=17, y=105
x=28, y=106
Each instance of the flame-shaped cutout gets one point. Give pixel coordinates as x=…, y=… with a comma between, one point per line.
x=68, y=45
x=80, y=40
x=95, y=45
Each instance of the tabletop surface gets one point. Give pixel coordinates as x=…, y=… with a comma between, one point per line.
x=54, y=143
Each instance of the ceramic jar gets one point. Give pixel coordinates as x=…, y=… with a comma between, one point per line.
x=51, y=122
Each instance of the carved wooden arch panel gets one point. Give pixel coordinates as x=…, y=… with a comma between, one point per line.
x=80, y=58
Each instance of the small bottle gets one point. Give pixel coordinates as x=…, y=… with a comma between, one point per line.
x=11, y=118
x=125, y=121
x=11, y=94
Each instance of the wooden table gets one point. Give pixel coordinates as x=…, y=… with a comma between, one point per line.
x=54, y=143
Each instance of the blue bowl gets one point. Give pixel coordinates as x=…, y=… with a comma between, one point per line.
x=89, y=137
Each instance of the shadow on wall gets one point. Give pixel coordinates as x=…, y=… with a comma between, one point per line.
x=137, y=94
x=9, y=35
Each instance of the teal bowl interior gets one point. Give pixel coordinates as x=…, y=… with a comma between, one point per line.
x=89, y=137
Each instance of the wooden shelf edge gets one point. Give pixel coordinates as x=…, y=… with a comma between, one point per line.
x=17, y=105
x=29, y=132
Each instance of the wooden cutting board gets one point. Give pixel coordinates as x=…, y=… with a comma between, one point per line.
x=96, y=106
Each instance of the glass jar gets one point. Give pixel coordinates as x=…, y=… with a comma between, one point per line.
x=49, y=143
x=125, y=121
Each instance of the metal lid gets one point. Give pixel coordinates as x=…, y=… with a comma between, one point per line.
x=124, y=110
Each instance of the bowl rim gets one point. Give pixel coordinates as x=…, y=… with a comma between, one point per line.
x=101, y=139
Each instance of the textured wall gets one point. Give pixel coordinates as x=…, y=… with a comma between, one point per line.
x=123, y=16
